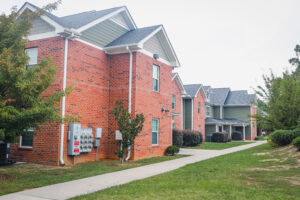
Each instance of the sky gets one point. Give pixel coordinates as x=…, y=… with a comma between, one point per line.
x=219, y=43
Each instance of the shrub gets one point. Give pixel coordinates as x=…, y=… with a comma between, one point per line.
x=284, y=137
x=172, y=150
x=219, y=137
x=256, y=138
x=191, y=138
x=229, y=139
x=296, y=143
x=237, y=136
x=177, y=138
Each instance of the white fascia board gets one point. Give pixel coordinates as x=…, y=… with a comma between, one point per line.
x=130, y=18
x=42, y=36
x=121, y=49
x=151, y=55
x=179, y=83
x=97, y=21
x=58, y=27
x=90, y=44
x=150, y=35
x=119, y=24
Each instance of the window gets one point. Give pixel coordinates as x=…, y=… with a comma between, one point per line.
x=173, y=126
x=207, y=110
x=198, y=107
x=154, y=131
x=220, y=129
x=33, y=55
x=155, y=78
x=27, y=140
x=173, y=102
x=199, y=128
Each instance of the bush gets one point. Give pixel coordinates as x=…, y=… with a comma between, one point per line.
x=219, y=137
x=191, y=138
x=237, y=136
x=284, y=137
x=172, y=150
x=256, y=138
x=296, y=143
x=177, y=138
x=229, y=139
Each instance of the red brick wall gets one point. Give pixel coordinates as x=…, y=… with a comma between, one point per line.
x=46, y=142
x=199, y=118
x=88, y=72
x=178, y=105
x=150, y=103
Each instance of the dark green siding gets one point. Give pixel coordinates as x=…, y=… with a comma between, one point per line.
x=240, y=112
x=187, y=112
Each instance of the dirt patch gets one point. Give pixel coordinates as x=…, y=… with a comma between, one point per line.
x=295, y=181
x=271, y=160
x=261, y=154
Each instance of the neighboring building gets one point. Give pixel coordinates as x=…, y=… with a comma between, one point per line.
x=106, y=58
x=230, y=111
x=177, y=92
x=194, y=108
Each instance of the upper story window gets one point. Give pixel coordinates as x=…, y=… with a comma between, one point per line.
x=199, y=107
x=199, y=128
x=207, y=110
x=155, y=78
x=33, y=57
x=173, y=102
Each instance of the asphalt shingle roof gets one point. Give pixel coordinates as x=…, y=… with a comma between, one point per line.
x=239, y=97
x=133, y=36
x=78, y=20
x=218, y=95
x=192, y=89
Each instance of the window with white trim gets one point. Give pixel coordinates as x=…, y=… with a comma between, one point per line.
x=154, y=131
x=173, y=126
x=155, y=78
x=173, y=102
x=26, y=140
x=33, y=57
x=207, y=110
x=199, y=107
x=199, y=128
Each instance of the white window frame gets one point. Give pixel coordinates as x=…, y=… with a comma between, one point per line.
x=173, y=96
x=156, y=132
x=207, y=110
x=158, y=71
x=20, y=142
x=199, y=128
x=31, y=62
x=199, y=107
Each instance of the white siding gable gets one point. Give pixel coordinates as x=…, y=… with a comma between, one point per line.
x=119, y=19
x=40, y=26
x=155, y=46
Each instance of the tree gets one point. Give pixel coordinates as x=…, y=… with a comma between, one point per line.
x=22, y=104
x=280, y=98
x=129, y=128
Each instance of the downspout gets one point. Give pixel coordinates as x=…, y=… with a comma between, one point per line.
x=129, y=93
x=251, y=123
x=62, y=129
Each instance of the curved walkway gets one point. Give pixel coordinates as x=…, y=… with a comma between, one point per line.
x=92, y=184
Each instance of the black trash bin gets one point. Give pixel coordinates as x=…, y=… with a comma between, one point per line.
x=4, y=152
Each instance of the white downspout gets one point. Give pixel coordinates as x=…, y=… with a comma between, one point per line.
x=62, y=129
x=129, y=92
x=251, y=123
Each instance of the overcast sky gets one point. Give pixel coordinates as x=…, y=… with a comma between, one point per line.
x=220, y=43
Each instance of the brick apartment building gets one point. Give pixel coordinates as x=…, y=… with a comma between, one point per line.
x=106, y=58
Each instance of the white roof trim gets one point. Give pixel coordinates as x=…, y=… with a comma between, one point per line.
x=202, y=91
x=97, y=21
x=58, y=27
x=179, y=83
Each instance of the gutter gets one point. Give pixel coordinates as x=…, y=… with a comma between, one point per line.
x=66, y=34
x=129, y=92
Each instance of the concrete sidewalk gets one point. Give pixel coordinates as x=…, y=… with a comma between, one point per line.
x=92, y=184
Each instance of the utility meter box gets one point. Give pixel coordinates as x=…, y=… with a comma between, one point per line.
x=96, y=143
x=118, y=135
x=86, y=140
x=98, y=132
x=74, y=139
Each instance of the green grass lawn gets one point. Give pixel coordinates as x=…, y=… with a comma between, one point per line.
x=218, y=146
x=19, y=177
x=260, y=173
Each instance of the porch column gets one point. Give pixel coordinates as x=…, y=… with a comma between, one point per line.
x=230, y=130
x=216, y=127
x=244, y=133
